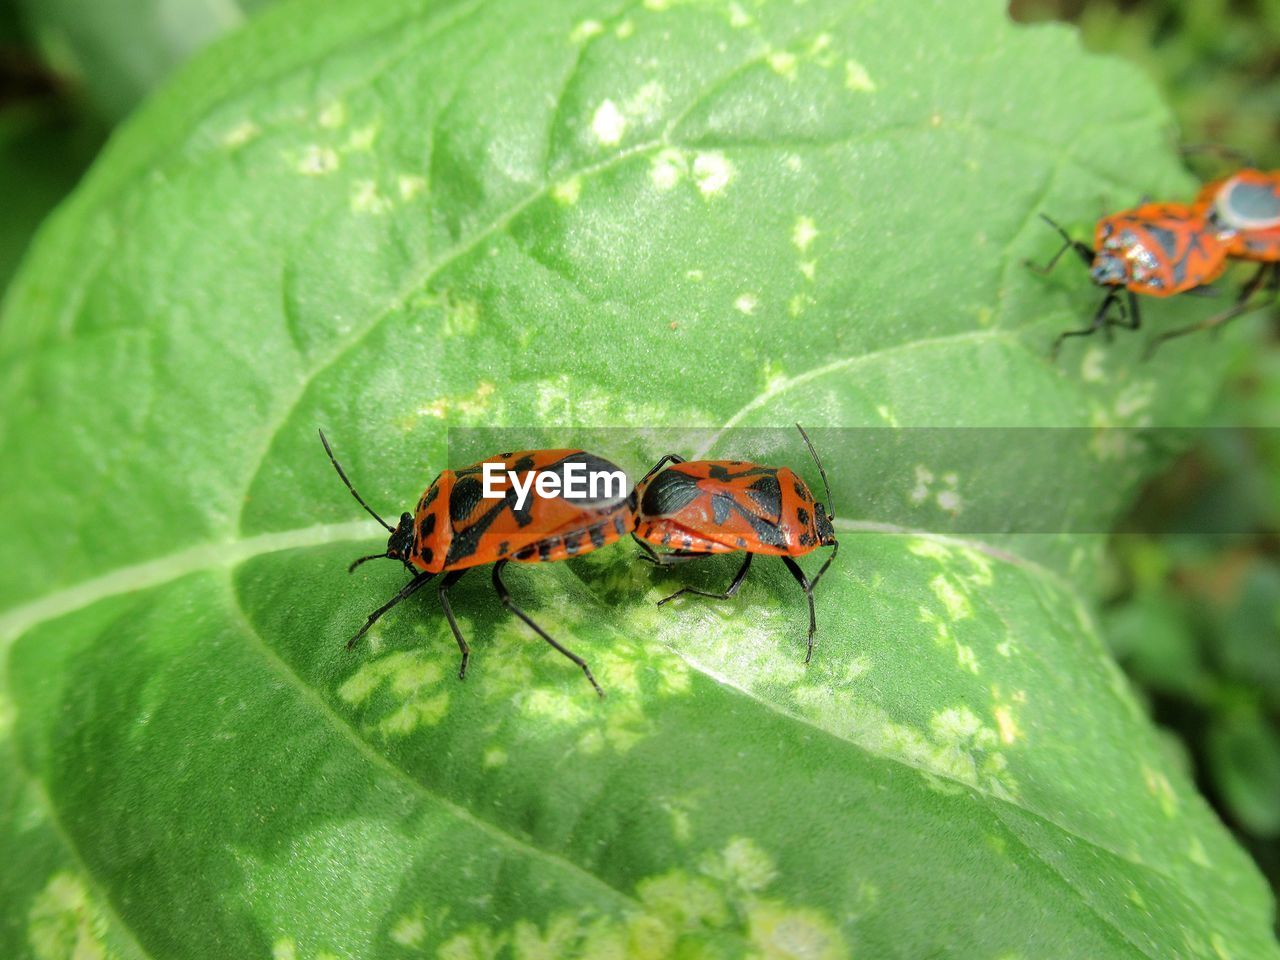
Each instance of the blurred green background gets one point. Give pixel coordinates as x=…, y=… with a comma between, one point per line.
x=1194, y=616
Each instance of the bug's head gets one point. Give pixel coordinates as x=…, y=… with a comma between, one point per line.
x=1122, y=258
x=400, y=543
x=823, y=519
x=822, y=522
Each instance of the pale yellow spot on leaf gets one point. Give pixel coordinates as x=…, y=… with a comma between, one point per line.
x=1159, y=787
x=333, y=115
x=409, y=930
x=567, y=191
x=682, y=900
x=920, y=492
x=366, y=198
x=783, y=63
x=469, y=405
x=746, y=303
x=778, y=932
x=625, y=29
x=1006, y=724
x=316, y=161
x=804, y=233
x=240, y=134
x=856, y=77
x=361, y=139
x=410, y=185
x=712, y=172
x=799, y=303
x=667, y=168
x=742, y=865
x=1091, y=366
x=608, y=124
x=586, y=30
x=64, y=922
x=495, y=757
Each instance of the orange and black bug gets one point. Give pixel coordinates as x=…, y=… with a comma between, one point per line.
x=699, y=508
x=1154, y=249
x=1244, y=211
x=455, y=527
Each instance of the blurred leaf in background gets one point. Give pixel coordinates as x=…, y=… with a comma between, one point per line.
x=44, y=143
x=117, y=51
x=1195, y=616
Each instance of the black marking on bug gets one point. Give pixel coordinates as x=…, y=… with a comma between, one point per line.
x=525, y=553
x=429, y=496
x=619, y=525
x=596, y=533
x=426, y=554
x=428, y=525
x=721, y=507
x=742, y=544
x=687, y=544
x=803, y=492
x=465, y=542
x=669, y=493
x=767, y=495
x=464, y=499
x=806, y=540
x=802, y=515
x=545, y=547
x=503, y=547
x=572, y=543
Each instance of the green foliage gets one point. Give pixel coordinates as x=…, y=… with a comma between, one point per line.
x=118, y=51
x=43, y=151
x=414, y=217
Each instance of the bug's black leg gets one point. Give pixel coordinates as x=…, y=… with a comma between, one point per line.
x=408, y=590
x=649, y=555
x=1241, y=305
x=1099, y=322
x=732, y=589
x=450, y=578
x=1130, y=319
x=1238, y=157
x=1082, y=250
x=835, y=548
x=669, y=458
x=505, y=596
x=807, y=586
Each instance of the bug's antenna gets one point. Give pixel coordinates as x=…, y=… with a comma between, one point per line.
x=372, y=556
x=1061, y=232
x=359, y=499
x=831, y=514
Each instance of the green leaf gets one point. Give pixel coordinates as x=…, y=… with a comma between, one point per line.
x=418, y=217
x=1244, y=755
